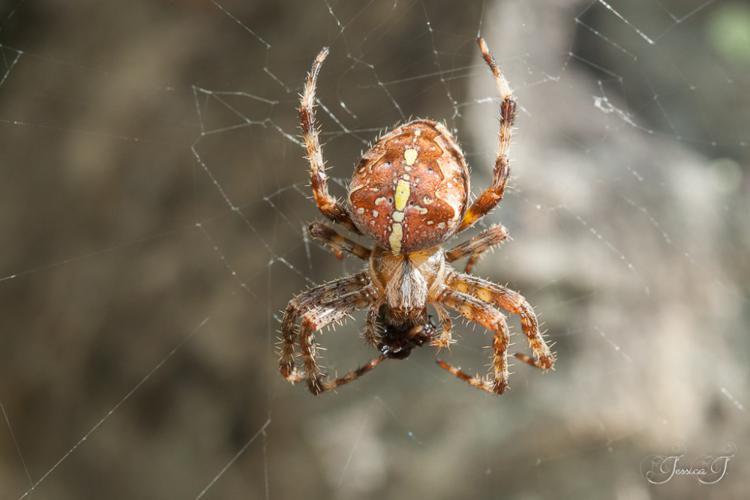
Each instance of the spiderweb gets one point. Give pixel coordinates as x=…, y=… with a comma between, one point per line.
x=153, y=205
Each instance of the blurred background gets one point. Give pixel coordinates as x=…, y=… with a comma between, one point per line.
x=153, y=196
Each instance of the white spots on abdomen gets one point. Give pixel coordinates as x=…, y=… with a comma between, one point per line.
x=410, y=156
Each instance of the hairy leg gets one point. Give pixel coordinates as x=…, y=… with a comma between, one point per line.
x=513, y=302
x=476, y=246
x=372, y=332
x=445, y=339
x=328, y=205
x=337, y=243
x=329, y=385
x=318, y=318
x=300, y=304
x=493, y=194
x=486, y=315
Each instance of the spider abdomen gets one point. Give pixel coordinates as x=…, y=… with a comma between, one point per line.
x=410, y=189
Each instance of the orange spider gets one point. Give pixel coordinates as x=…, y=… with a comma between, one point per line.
x=409, y=193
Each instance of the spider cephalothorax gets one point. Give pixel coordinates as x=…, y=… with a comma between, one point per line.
x=409, y=193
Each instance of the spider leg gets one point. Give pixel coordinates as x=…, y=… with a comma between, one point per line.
x=512, y=302
x=329, y=385
x=372, y=332
x=303, y=302
x=493, y=194
x=486, y=315
x=318, y=318
x=445, y=339
x=337, y=243
x=328, y=205
x=476, y=246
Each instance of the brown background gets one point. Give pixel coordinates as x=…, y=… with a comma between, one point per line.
x=139, y=310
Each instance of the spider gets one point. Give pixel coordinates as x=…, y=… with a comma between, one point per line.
x=409, y=193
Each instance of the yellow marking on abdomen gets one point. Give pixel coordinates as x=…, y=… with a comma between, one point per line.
x=397, y=234
x=403, y=190
x=401, y=197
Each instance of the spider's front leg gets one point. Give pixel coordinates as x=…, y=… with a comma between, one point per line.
x=328, y=205
x=493, y=194
x=373, y=332
x=476, y=246
x=337, y=243
x=318, y=318
x=299, y=305
x=486, y=315
x=513, y=302
x=445, y=339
